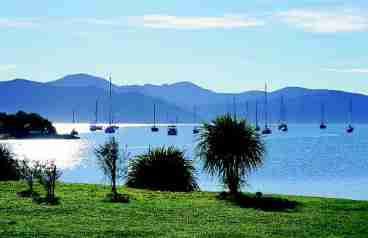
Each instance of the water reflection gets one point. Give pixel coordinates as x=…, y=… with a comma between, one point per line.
x=67, y=154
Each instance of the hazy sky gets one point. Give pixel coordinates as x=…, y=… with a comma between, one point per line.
x=227, y=46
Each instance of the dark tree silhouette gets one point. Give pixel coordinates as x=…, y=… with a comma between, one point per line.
x=230, y=149
x=22, y=124
x=8, y=164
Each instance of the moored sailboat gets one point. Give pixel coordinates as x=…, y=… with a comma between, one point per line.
x=172, y=130
x=282, y=122
x=257, y=128
x=195, y=128
x=266, y=130
x=154, y=128
x=323, y=125
x=350, y=128
x=94, y=126
x=74, y=132
x=110, y=129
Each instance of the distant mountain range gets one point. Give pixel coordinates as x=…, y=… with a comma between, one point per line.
x=134, y=103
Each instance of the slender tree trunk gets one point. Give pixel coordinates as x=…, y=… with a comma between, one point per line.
x=113, y=177
x=30, y=184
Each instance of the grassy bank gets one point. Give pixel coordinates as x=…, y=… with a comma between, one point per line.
x=82, y=213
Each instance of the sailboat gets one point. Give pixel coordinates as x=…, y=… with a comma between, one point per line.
x=247, y=112
x=234, y=108
x=172, y=130
x=195, y=129
x=110, y=129
x=323, y=125
x=94, y=126
x=257, y=126
x=154, y=128
x=350, y=127
x=74, y=132
x=266, y=130
x=282, y=123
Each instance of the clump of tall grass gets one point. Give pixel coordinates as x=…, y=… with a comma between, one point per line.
x=164, y=169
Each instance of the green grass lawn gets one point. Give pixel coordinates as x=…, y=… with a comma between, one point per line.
x=83, y=213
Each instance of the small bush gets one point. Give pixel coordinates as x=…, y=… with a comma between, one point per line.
x=164, y=169
x=28, y=172
x=8, y=165
x=48, y=175
x=111, y=163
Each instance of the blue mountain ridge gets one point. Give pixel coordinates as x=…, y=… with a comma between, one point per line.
x=133, y=103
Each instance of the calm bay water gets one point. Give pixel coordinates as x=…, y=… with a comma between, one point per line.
x=304, y=161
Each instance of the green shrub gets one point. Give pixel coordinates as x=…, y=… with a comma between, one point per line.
x=164, y=169
x=8, y=165
x=28, y=172
x=48, y=174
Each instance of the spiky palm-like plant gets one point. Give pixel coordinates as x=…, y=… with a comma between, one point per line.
x=230, y=149
x=164, y=169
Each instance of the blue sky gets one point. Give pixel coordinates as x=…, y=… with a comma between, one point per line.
x=227, y=46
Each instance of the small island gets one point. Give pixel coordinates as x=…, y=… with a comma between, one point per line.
x=22, y=125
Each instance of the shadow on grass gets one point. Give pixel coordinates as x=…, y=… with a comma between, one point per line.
x=27, y=194
x=118, y=198
x=258, y=201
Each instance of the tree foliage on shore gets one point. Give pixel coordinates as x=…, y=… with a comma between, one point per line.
x=8, y=164
x=22, y=124
x=230, y=149
x=164, y=169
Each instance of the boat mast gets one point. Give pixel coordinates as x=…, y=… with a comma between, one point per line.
x=154, y=115
x=73, y=116
x=234, y=107
x=266, y=110
x=247, y=111
x=322, y=113
x=194, y=114
x=96, y=112
x=350, y=111
x=110, y=104
x=256, y=113
x=282, y=110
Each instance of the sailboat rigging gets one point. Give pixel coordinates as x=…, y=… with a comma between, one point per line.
x=246, y=116
x=282, y=123
x=350, y=127
x=195, y=129
x=323, y=125
x=257, y=126
x=94, y=126
x=154, y=128
x=74, y=132
x=110, y=129
x=266, y=130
